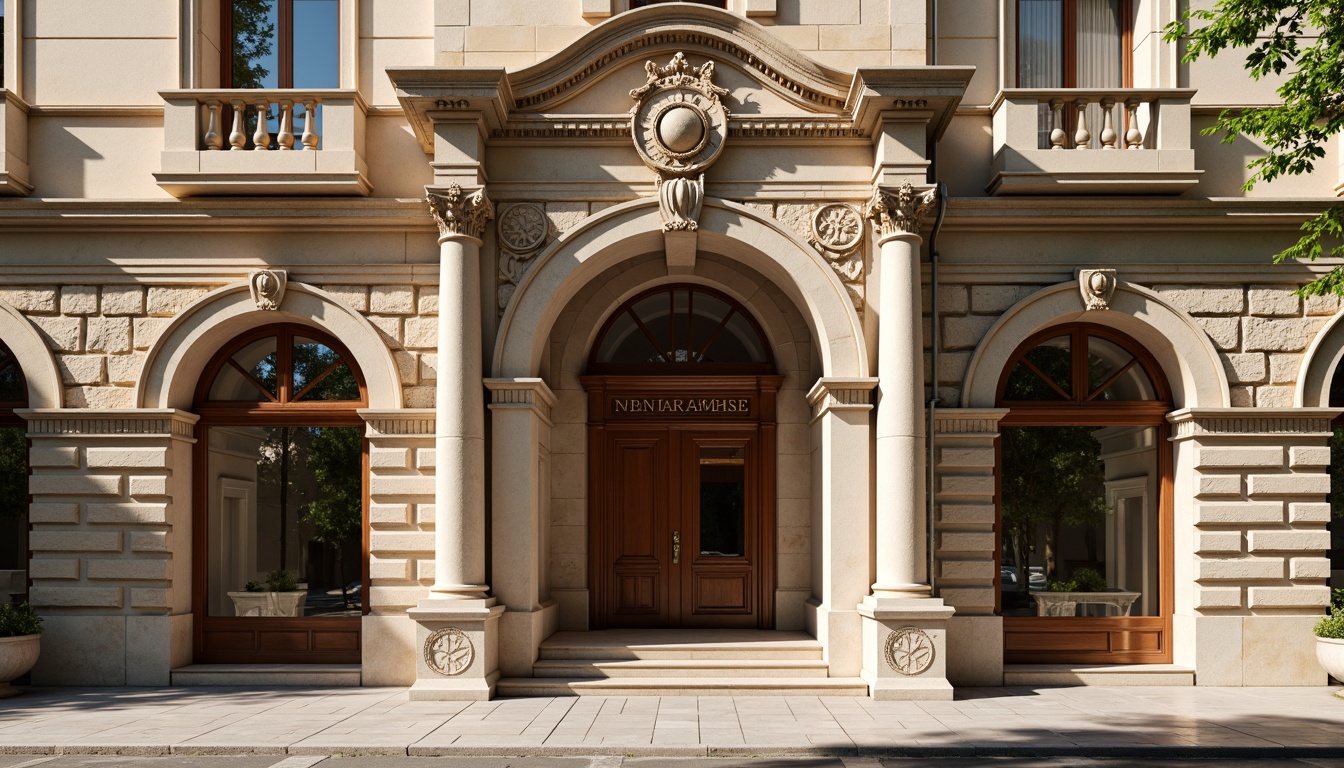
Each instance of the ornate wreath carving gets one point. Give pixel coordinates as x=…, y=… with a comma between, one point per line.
x=678, y=122
x=522, y=227
x=449, y=651
x=909, y=651
x=837, y=227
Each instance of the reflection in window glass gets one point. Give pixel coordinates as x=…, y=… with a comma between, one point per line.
x=285, y=505
x=1045, y=375
x=1115, y=369
x=13, y=510
x=1336, y=524
x=256, y=44
x=2, y=43
x=316, y=43
x=250, y=375
x=681, y=326
x=13, y=389
x=320, y=374
x=641, y=3
x=1080, y=521
x=722, y=500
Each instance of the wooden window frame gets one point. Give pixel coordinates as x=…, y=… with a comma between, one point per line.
x=1082, y=412
x=284, y=55
x=311, y=413
x=1069, y=21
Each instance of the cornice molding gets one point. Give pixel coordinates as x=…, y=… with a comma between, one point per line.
x=1239, y=423
x=968, y=422
x=98, y=422
x=406, y=422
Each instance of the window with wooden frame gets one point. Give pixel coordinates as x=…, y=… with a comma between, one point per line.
x=280, y=533
x=1074, y=44
x=13, y=479
x=1336, y=524
x=1084, y=520
x=641, y=3
x=280, y=44
x=681, y=329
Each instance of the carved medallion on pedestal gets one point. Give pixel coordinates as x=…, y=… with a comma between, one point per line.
x=678, y=123
x=449, y=651
x=909, y=651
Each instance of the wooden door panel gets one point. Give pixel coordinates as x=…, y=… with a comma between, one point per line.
x=637, y=519
x=720, y=473
x=727, y=593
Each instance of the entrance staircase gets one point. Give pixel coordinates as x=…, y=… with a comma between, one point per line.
x=694, y=662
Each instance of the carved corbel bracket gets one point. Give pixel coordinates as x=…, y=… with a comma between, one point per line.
x=899, y=211
x=268, y=287
x=679, y=203
x=458, y=212
x=1097, y=286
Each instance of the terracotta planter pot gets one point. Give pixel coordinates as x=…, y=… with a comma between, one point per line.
x=1330, y=653
x=17, y=656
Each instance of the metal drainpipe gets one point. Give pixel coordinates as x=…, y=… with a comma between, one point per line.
x=930, y=490
x=934, y=400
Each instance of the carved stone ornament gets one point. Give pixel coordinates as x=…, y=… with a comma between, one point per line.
x=678, y=123
x=899, y=211
x=1097, y=287
x=909, y=651
x=459, y=213
x=449, y=651
x=837, y=227
x=268, y=287
x=522, y=227
x=679, y=202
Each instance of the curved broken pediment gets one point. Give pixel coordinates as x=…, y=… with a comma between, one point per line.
x=657, y=32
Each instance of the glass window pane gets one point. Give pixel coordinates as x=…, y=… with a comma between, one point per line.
x=256, y=44
x=259, y=360
x=316, y=44
x=319, y=370
x=1079, y=513
x=1040, y=44
x=1100, y=58
x=626, y=343
x=1104, y=359
x=285, y=504
x=13, y=511
x=1336, y=524
x=1053, y=361
x=13, y=389
x=722, y=500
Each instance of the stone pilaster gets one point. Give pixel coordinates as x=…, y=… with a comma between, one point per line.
x=841, y=413
x=111, y=543
x=1252, y=544
x=520, y=414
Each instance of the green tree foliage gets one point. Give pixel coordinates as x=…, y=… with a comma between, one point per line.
x=337, y=514
x=13, y=472
x=253, y=40
x=1304, y=40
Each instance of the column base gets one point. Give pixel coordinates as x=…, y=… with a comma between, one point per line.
x=905, y=648
x=457, y=649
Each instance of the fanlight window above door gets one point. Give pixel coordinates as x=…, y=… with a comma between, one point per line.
x=1082, y=365
x=682, y=328
x=282, y=366
x=13, y=388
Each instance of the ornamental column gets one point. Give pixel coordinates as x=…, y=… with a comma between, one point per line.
x=457, y=625
x=905, y=628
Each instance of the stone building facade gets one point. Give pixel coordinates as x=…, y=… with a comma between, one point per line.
x=897, y=262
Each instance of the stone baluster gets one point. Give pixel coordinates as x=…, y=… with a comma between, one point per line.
x=310, y=137
x=237, y=139
x=1057, y=135
x=1081, y=137
x=261, y=138
x=285, y=138
x=1108, y=134
x=213, y=141
x=1133, y=138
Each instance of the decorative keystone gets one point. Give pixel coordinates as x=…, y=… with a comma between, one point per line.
x=458, y=213
x=1097, y=286
x=268, y=287
x=899, y=211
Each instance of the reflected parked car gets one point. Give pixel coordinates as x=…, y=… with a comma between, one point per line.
x=1008, y=575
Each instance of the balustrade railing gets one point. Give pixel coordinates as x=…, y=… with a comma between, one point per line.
x=249, y=131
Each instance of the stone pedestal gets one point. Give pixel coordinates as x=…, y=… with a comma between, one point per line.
x=905, y=648
x=456, y=645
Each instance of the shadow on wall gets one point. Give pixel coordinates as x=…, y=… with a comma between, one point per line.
x=63, y=156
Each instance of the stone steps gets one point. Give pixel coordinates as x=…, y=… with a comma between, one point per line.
x=268, y=675
x=681, y=663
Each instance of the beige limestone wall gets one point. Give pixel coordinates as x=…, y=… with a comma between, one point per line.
x=111, y=543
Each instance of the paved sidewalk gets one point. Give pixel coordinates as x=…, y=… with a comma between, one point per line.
x=1088, y=722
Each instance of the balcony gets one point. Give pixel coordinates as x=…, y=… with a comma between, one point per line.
x=13, y=145
x=311, y=143
x=1072, y=141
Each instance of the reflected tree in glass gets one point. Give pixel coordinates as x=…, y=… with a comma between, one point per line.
x=337, y=513
x=253, y=41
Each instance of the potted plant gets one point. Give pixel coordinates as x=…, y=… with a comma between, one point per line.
x=279, y=595
x=1330, y=637
x=20, y=630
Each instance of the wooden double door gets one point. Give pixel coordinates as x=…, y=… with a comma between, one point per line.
x=682, y=521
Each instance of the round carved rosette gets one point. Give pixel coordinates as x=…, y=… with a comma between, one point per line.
x=449, y=651
x=837, y=227
x=522, y=227
x=909, y=651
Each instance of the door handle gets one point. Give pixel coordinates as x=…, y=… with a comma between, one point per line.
x=676, y=547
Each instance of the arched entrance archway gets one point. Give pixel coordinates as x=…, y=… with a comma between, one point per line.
x=1085, y=512
x=681, y=435
x=13, y=478
x=280, y=522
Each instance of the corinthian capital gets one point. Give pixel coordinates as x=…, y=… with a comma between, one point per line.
x=899, y=211
x=459, y=213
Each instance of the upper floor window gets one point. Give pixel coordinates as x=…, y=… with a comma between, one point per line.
x=281, y=43
x=2, y=43
x=641, y=3
x=1073, y=43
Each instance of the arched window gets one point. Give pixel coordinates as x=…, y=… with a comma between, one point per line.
x=1336, y=524
x=685, y=329
x=1084, y=500
x=280, y=501
x=13, y=479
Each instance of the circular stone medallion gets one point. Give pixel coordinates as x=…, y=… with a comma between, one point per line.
x=522, y=227
x=838, y=227
x=449, y=651
x=679, y=130
x=909, y=651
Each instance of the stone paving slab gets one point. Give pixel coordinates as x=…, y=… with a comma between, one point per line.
x=1084, y=722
